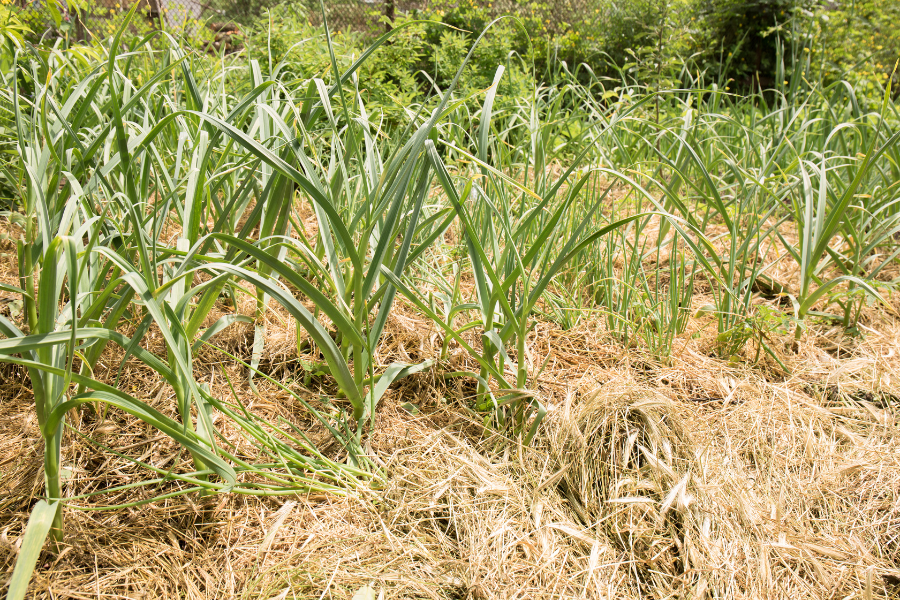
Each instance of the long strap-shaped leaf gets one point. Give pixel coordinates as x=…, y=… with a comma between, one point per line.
x=401, y=261
x=287, y=170
x=131, y=405
x=487, y=283
x=836, y=214
x=337, y=316
x=17, y=343
x=339, y=369
x=414, y=298
x=32, y=541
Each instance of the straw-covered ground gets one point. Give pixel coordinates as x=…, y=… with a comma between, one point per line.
x=690, y=478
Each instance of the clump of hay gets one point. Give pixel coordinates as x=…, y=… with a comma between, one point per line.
x=627, y=468
x=493, y=535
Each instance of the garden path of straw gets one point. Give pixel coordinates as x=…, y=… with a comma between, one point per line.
x=697, y=478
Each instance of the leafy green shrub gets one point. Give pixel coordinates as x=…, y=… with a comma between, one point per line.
x=292, y=50
x=858, y=41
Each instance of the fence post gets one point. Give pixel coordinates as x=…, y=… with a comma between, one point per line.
x=153, y=12
x=389, y=13
x=79, y=25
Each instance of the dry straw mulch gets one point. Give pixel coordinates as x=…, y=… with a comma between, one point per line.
x=691, y=479
x=694, y=478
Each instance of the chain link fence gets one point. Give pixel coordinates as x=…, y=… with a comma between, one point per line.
x=87, y=19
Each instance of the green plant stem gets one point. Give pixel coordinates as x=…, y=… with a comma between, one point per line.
x=52, y=453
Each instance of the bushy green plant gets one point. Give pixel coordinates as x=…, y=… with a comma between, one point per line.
x=292, y=50
x=857, y=41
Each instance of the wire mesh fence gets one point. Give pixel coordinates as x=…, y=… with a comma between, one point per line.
x=100, y=18
x=86, y=19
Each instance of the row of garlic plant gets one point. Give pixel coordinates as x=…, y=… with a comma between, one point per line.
x=138, y=178
x=810, y=158
x=110, y=165
x=117, y=154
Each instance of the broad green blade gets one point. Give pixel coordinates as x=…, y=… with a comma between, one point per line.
x=32, y=541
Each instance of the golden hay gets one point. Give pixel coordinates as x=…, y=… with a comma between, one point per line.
x=696, y=478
